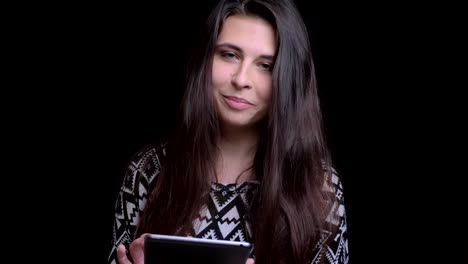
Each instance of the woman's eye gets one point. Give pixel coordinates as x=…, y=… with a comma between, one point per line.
x=228, y=55
x=266, y=66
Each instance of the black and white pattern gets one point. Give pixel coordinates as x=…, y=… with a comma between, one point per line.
x=223, y=216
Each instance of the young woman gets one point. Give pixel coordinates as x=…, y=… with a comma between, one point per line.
x=248, y=161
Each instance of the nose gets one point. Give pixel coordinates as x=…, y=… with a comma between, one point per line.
x=241, y=78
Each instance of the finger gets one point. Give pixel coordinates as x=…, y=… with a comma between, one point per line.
x=250, y=261
x=122, y=255
x=144, y=234
x=136, y=249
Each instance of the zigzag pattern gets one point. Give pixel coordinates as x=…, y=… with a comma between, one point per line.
x=226, y=209
x=143, y=168
x=222, y=217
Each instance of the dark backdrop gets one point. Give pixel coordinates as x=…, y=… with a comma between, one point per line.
x=99, y=81
x=138, y=61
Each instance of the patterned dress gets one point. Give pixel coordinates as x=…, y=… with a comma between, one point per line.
x=223, y=216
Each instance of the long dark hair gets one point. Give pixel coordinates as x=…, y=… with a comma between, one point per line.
x=292, y=160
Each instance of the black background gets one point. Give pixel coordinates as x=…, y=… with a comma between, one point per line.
x=146, y=55
x=99, y=81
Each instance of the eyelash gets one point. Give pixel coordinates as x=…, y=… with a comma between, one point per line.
x=231, y=55
x=268, y=66
x=228, y=55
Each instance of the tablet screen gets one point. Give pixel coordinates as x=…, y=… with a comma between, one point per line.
x=162, y=249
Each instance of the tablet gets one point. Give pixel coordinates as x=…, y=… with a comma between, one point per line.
x=162, y=249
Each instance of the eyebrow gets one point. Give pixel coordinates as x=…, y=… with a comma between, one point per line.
x=238, y=49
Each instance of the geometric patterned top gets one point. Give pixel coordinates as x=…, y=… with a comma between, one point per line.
x=222, y=218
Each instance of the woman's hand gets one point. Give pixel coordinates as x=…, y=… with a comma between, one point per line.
x=135, y=249
x=250, y=261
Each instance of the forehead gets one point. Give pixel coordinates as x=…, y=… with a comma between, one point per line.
x=250, y=33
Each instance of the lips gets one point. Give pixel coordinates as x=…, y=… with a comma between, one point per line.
x=236, y=103
x=238, y=100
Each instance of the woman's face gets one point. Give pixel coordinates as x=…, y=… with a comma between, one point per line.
x=242, y=70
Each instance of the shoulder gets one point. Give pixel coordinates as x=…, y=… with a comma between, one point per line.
x=148, y=155
x=144, y=166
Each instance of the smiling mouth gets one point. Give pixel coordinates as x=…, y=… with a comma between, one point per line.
x=237, y=103
x=238, y=100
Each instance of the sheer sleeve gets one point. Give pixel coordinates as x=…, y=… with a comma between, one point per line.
x=333, y=246
x=143, y=168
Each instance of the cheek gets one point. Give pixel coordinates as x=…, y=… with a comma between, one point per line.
x=266, y=91
x=220, y=74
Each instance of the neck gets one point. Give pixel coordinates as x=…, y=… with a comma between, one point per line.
x=237, y=150
x=236, y=142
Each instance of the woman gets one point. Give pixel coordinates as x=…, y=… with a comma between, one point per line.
x=248, y=161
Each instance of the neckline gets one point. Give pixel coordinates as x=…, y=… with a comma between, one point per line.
x=235, y=187
x=235, y=184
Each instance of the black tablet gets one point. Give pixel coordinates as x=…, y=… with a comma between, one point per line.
x=163, y=249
